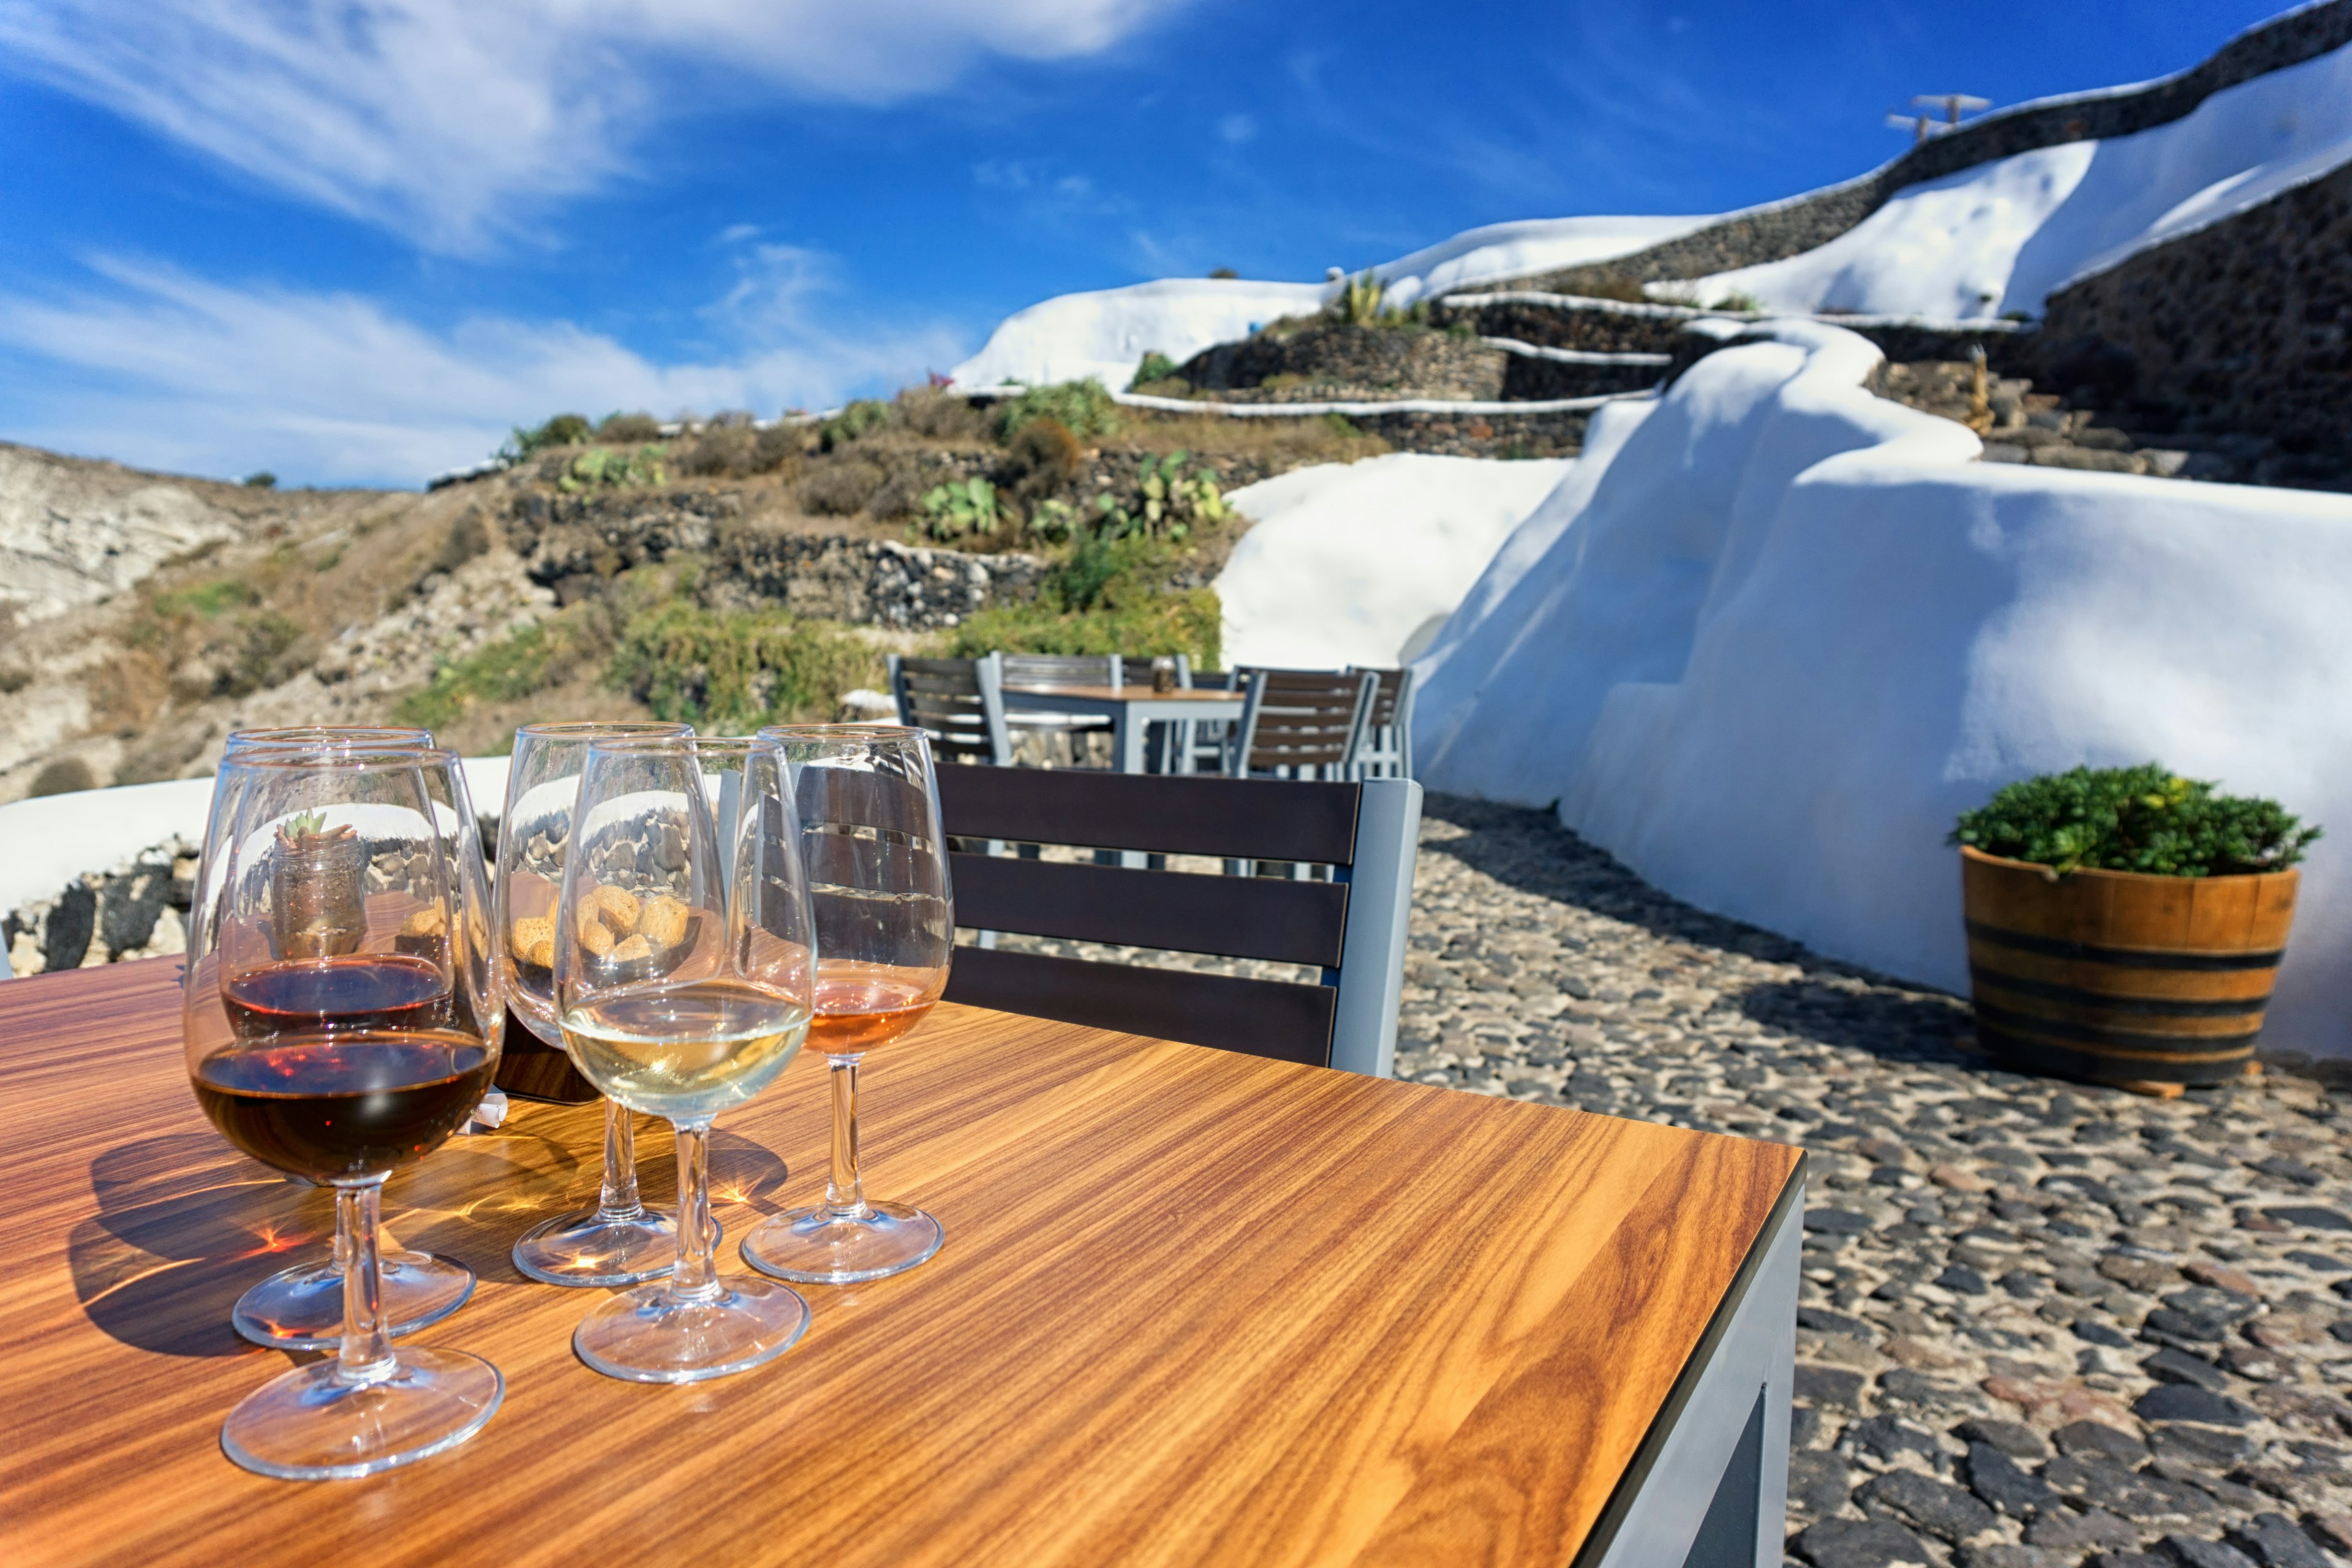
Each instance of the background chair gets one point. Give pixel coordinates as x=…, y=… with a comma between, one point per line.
x=1385, y=751
x=1059, y=669
x=1352, y=928
x=958, y=702
x=1297, y=720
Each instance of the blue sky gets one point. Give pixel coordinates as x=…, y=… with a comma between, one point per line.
x=354, y=243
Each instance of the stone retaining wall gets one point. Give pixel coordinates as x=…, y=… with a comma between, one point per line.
x=1787, y=228
x=1341, y=362
x=2245, y=326
x=136, y=911
x=1550, y=434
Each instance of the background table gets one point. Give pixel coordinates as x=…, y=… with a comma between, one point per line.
x=1194, y=1308
x=1133, y=711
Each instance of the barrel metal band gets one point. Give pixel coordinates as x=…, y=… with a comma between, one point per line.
x=2150, y=1006
x=2135, y=958
x=2122, y=1039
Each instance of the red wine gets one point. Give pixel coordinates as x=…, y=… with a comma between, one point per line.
x=353, y=1102
x=365, y=991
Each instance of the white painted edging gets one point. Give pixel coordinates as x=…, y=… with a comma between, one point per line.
x=1400, y=406
x=45, y=843
x=1573, y=356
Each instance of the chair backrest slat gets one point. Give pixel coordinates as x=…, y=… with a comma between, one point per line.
x=1278, y=919
x=1301, y=719
x=1385, y=750
x=1261, y=1017
x=1260, y=819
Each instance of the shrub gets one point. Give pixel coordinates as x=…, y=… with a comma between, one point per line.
x=851, y=423
x=207, y=600
x=1738, y=302
x=1358, y=302
x=2144, y=819
x=1043, y=456
x=962, y=508
x=506, y=670
x=1106, y=597
x=730, y=672
x=611, y=468
x=563, y=430
x=841, y=487
x=1084, y=408
x=774, y=447
x=1155, y=366
x=264, y=480
x=628, y=429
x=939, y=414
x=722, y=449
x=1222, y=272
x=1166, y=500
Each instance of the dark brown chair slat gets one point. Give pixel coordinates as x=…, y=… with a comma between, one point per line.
x=1259, y=1017
x=1263, y=819
x=1235, y=917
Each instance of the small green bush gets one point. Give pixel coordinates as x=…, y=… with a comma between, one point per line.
x=1166, y=500
x=506, y=670
x=857, y=419
x=1736, y=301
x=841, y=487
x=628, y=429
x=563, y=430
x=1155, y=366
x=1358, y=303
x=2144, y=819
x=728, y=672
x=962, y=508
x=611, y=467
x=1105, y=598
x=1084, y=407
x=207, y=600
x=264, y=480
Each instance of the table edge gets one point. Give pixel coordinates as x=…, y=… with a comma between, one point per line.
x=1636, y=1473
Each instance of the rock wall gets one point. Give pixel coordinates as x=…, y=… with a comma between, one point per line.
x=136, y=911
x=72, y=533
x=1786, y=228
x=1334, y=361
x=1549, y=434
x=2244, y=327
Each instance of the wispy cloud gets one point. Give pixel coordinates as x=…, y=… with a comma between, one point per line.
x=155, y=366
x=1238, y=127
x=455, y=123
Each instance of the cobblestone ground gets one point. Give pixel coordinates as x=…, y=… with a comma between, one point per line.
x=2042, y=1324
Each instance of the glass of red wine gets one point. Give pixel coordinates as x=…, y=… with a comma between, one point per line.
x=622, y=1240
x=877, y=870
x=342, y=1020
x=301, y=1307
x=682, y=976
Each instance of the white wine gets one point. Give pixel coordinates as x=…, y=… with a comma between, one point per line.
x=687, y=1051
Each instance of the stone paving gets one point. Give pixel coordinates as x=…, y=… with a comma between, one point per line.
x=2042, y=1324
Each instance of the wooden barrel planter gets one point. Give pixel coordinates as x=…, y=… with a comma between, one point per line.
x=2122, y=978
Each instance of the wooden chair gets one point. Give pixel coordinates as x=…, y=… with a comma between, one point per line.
x=1297, y=720
x=1059, y=669
x=1352, y=928
x=1386, y=750
x=958, y=702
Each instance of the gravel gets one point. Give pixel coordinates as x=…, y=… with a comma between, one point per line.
x=2042, y=1324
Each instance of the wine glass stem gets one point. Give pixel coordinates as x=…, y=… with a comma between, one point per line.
x=618, y=1199
x=696, y=1276
x=343, y=1245
x=845, y=1191
x=365, y=1355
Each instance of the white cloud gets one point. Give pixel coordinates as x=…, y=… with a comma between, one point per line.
x=166, y=370
x=451, y=121
x=1237, y=128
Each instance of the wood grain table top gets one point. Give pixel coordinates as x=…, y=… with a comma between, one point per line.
x=1134, y=693
x=1194, y=1308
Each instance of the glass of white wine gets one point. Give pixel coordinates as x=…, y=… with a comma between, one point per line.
x=684, y=972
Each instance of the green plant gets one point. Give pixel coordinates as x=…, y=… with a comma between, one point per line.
x=1736, y=300
x=506, y=670
x=1084, y=407
x=628, y=429
x=961, y=508
x=1166, y=500
x=563, y=430
x=208, y=599
x=1342, y=425
x=1360, y=299
x=732, y=671
x=606, y=468
x=264, y=480
x=2145, y=818
x=1108, y=595
x=853, y=421
x=1155, y=366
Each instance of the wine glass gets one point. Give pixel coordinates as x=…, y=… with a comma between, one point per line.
x=301, y=1307
x=620, y=1241
x=341, y=1019
x=877, y=872
x=682, y=966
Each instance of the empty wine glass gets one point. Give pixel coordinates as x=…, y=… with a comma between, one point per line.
x=301, y=1307
x=876, y=865
x=621, y=1240
x=683, y=966
x=341, y=1019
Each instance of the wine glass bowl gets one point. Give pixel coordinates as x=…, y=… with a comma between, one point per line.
x=621, y=1240
x=338, y=1034
x=683, y=969
x=875, y=859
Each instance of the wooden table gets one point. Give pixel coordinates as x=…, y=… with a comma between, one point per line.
x=1194, y=1307
x=1133, y=711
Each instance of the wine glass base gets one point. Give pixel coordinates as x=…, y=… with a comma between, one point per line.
x=588, y=1249
x=307, y=1426
x=647, y=1336
x=302, y=1308
x=817, y=1247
